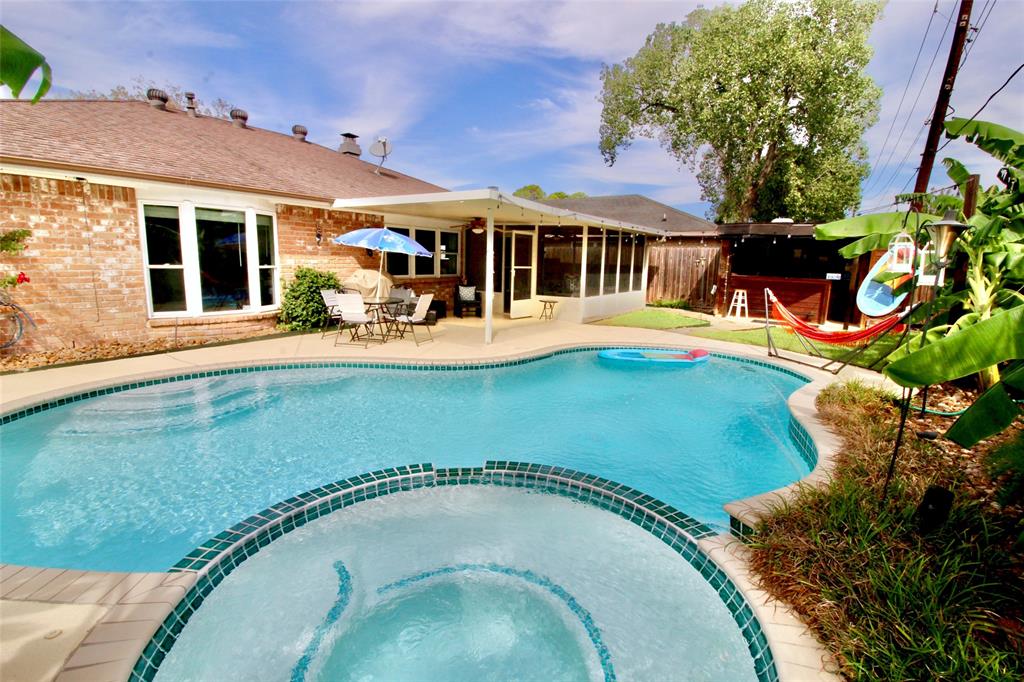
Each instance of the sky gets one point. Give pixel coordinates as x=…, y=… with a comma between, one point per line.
x=474, y=94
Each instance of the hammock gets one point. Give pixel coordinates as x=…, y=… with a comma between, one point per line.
x=807, y=333
x=842, y=338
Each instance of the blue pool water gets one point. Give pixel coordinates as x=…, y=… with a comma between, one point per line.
x=133, y=481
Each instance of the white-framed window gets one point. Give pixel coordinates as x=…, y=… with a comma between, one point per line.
x=446, y=245
x=208, y=259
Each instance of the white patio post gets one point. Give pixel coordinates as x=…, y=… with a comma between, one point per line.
x=489, y=281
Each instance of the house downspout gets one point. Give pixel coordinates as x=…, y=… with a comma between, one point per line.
x=489, y=281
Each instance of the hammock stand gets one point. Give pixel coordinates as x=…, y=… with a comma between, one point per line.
x=807, y=334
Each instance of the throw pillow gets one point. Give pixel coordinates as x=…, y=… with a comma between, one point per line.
x=467, y=294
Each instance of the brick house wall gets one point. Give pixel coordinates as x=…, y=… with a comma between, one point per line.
x=85, y=262
x=296, y=240
x=83, y=258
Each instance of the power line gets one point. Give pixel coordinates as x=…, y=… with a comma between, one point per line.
x=913, y=145
x=977, y=31
x=990, y=98
x=920, y=90
x=906, y=88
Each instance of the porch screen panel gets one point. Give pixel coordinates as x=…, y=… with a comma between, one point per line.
x=594, y=261
x=163, y=255
x=267, y=263
x=560, y=259
x=626, y=262
x=611, y=260
x=398, y=263
x=448, y=253
x=639, y=243
x=223, y=269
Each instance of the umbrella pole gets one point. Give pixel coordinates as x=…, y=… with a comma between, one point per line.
x=380, y=273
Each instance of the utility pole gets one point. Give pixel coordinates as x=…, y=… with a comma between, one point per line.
x=956, y=50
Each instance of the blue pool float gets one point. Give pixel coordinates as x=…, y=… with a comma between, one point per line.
x=680, y=358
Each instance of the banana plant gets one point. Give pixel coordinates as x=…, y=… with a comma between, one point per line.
x=18, y=61
x=990, y=331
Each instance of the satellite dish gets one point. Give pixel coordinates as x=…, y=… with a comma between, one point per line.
x=380, y=148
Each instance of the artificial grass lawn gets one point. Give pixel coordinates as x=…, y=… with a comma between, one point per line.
x=788, y=342
x=654, y=318
x=890, y=601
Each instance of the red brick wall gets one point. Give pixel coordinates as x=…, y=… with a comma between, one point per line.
x=296, y=239
x=443, y=288
x=83, y=258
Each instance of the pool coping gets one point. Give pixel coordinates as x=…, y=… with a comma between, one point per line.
x=795, y=650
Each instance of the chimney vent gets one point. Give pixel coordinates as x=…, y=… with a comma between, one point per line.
x=350, y=146
x=191, y=104
x=239, y=117
x=299, y=132
x=157, y=98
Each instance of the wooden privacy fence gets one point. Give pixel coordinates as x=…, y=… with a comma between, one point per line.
x=684, y=270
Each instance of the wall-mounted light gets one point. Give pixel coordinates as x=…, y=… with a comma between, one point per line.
x=319, y=234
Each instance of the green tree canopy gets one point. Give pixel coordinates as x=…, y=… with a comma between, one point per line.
x=535, y=193
x=767, y=101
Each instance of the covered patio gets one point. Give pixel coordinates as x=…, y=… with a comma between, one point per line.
x=520, y=252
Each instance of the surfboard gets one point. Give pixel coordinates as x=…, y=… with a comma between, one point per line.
x=877, y=299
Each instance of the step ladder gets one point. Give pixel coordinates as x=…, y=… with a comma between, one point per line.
x=738, y=307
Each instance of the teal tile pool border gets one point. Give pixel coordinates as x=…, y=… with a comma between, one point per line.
x=439, y=366
x=216, y=558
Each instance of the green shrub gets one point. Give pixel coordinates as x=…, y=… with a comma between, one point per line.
x=679, y=304
x=303, y=307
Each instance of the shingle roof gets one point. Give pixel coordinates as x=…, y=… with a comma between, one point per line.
x=637, y=209
x=135, y=139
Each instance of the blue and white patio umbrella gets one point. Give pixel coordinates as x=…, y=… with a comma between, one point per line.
x=384, y=240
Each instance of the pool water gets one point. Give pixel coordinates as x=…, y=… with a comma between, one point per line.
x=461, y=583
x=133, y=481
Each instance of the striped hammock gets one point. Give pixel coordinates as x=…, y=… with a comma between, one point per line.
x=840, y=338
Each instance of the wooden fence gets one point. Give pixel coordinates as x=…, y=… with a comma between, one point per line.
x=685, y=270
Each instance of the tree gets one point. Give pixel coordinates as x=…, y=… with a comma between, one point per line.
x=219, y=108
x=535, y=193
x=767, y=101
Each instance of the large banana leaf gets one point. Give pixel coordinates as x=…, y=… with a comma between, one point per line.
x=992, y=412
x=18, y=62
x=874, y=223
x=872, y=242
x=970, y=350
x=1006, y=144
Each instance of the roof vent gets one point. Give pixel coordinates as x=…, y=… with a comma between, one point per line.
x=190, y=106
x=157, y=98
x=239, y=117
x=299, y=132
x=349, y=145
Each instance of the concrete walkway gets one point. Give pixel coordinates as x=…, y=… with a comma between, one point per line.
x=42, y=633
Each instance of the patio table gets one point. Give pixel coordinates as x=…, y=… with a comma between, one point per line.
x=380, y=305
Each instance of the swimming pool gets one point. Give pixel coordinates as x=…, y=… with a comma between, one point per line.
x=463, y=583
x=134, y=480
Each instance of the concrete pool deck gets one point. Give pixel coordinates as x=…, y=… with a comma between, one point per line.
x=102, y=631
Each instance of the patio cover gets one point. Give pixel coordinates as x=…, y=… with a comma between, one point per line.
x=493, y=205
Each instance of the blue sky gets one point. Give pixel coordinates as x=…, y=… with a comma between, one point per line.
x=488, y=93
